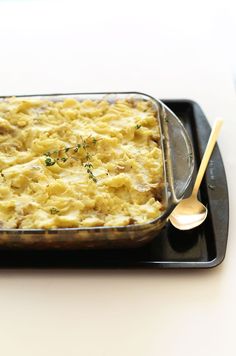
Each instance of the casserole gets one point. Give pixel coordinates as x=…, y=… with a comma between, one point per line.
x=177, y=157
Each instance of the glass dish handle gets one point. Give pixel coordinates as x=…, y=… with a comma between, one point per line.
x=179, y=153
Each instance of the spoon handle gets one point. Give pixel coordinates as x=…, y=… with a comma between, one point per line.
x=207, y=154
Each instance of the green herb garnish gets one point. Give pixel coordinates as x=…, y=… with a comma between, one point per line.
x=87, y=156
x=54, y=211
x=88, y=167
x=84, y=143
x=76, y=149
x=49, y=161
x=91, y=176
x=137, y=126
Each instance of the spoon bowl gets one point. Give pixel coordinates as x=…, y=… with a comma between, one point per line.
x=190, y=212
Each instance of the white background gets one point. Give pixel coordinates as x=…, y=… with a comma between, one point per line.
x=169, y=49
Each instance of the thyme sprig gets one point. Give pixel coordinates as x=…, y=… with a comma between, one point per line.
x=50, y=161
x=88, y=167
x=54, y=211
x=53, y=157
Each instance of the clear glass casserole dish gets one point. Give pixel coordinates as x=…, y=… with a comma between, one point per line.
x=178, y=168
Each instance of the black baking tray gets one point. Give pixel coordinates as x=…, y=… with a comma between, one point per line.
x=203, y=247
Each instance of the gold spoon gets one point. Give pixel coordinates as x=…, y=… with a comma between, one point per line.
x=190, y=213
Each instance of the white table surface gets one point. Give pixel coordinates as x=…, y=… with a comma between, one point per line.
x=168, y=49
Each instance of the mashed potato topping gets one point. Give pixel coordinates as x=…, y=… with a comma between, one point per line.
x=79, y=163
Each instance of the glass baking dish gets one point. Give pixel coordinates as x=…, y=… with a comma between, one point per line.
x=178, y=168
